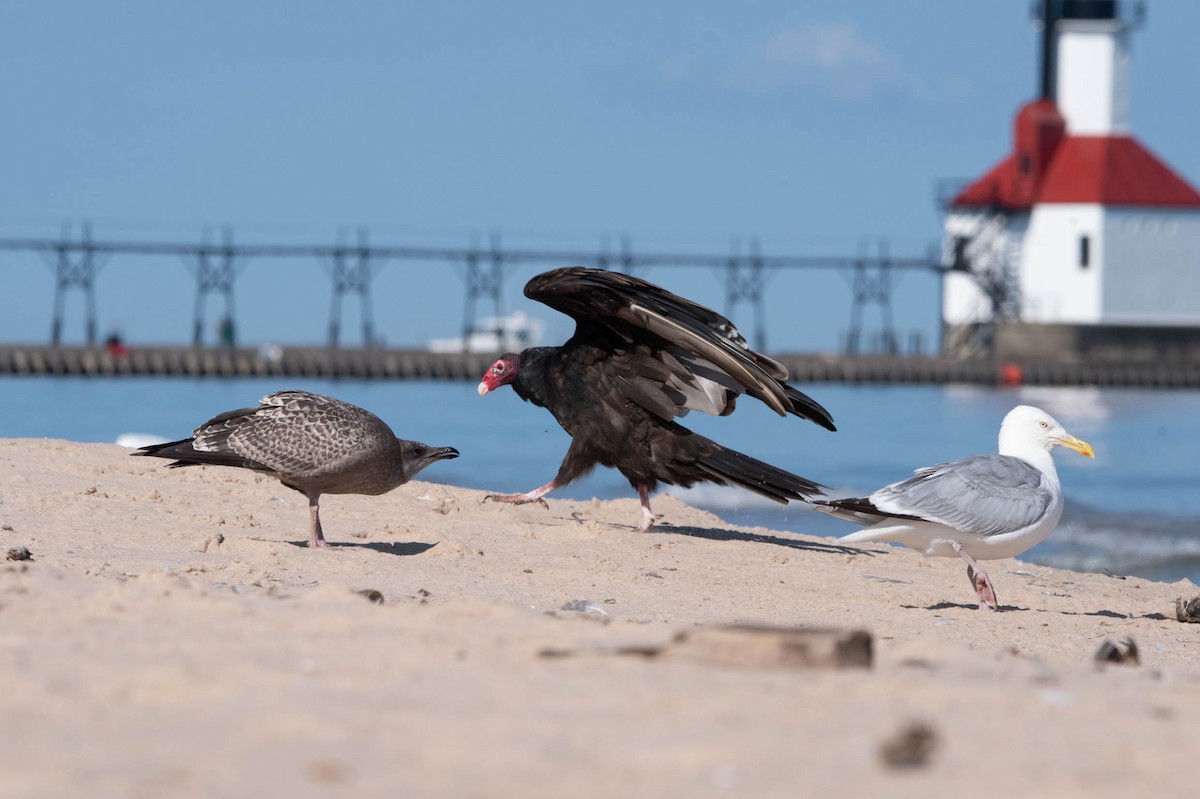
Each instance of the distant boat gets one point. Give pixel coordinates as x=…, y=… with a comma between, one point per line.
x=511, y=333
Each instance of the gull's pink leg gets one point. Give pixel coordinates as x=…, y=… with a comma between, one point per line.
x=648, y=517
x=520, y=499
x=980, y=580
x=316, y=538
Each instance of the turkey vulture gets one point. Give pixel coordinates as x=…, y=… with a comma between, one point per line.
x=984, y=506
x=640, y=357
x=313, y=444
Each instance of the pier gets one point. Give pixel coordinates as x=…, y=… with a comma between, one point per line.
x=76, y=262
x=417, y=364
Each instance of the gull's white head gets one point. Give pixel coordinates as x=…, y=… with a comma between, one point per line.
x=1027, y=427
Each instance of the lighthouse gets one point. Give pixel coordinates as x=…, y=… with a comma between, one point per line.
x=1080, y=232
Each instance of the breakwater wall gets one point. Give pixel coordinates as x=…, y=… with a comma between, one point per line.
x=399, y=364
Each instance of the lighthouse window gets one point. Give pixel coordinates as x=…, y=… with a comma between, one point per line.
x=1084, y=252
x=1025, y=164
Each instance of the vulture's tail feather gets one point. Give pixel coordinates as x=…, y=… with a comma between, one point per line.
x=728, y=466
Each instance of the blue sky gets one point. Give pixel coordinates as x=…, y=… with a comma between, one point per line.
x=687, y=125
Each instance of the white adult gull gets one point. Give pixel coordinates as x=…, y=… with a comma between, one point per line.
x=978, y=508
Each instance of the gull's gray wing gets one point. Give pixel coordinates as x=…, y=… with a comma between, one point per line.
x=984, y=494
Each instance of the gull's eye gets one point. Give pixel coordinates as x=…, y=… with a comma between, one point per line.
x=1045, y=425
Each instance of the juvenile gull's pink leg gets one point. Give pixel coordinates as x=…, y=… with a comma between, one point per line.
x=316, y=538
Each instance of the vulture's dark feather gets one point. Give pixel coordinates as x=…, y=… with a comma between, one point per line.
x=621, y=310
x=640, y=358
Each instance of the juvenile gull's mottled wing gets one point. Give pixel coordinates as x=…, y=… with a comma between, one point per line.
x=984, y=494
x=295, y=433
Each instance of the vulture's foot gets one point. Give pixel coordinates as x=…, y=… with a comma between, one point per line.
x=523, y=499
x=648, y=517
x=648, y=521
x=516, y=499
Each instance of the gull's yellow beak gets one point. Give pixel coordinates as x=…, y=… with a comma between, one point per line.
x=1077, y=444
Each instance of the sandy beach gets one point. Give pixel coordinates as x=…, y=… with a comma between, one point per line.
x=171, y=636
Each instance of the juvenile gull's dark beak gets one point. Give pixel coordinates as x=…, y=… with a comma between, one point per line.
x=442, y=453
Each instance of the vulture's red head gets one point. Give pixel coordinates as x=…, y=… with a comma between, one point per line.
x=503, y=372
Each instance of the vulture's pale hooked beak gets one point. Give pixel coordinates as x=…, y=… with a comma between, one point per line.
x=483, y=388
x=1079, y=445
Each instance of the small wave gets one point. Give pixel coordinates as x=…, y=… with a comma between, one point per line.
x=139, y=440
x=717, y=497
x=1140, y=544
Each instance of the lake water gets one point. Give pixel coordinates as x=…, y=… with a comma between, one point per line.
x=1135, y=509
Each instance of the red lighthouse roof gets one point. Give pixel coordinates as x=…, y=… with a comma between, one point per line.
x=1049, y=166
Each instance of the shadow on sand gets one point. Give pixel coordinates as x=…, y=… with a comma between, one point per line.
x=962, y=605
x=402, y=548
x=1112, y=614
x=717, y=534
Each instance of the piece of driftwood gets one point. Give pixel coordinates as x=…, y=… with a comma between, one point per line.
x=772, y=647
x=754, y=647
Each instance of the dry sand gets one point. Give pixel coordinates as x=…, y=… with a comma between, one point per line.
x=172, y=638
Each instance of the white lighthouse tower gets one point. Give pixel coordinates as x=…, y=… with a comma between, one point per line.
x=1080, y=225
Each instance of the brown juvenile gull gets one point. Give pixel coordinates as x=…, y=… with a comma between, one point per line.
x=312, y=443
x=981, y=507
x=640, y=358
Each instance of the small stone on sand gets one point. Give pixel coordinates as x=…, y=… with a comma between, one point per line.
x=1125, y=653
x=910, y=747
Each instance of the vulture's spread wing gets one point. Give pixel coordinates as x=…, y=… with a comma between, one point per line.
x=682, y=354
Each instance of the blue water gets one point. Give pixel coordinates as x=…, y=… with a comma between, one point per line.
x=1135, y=509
